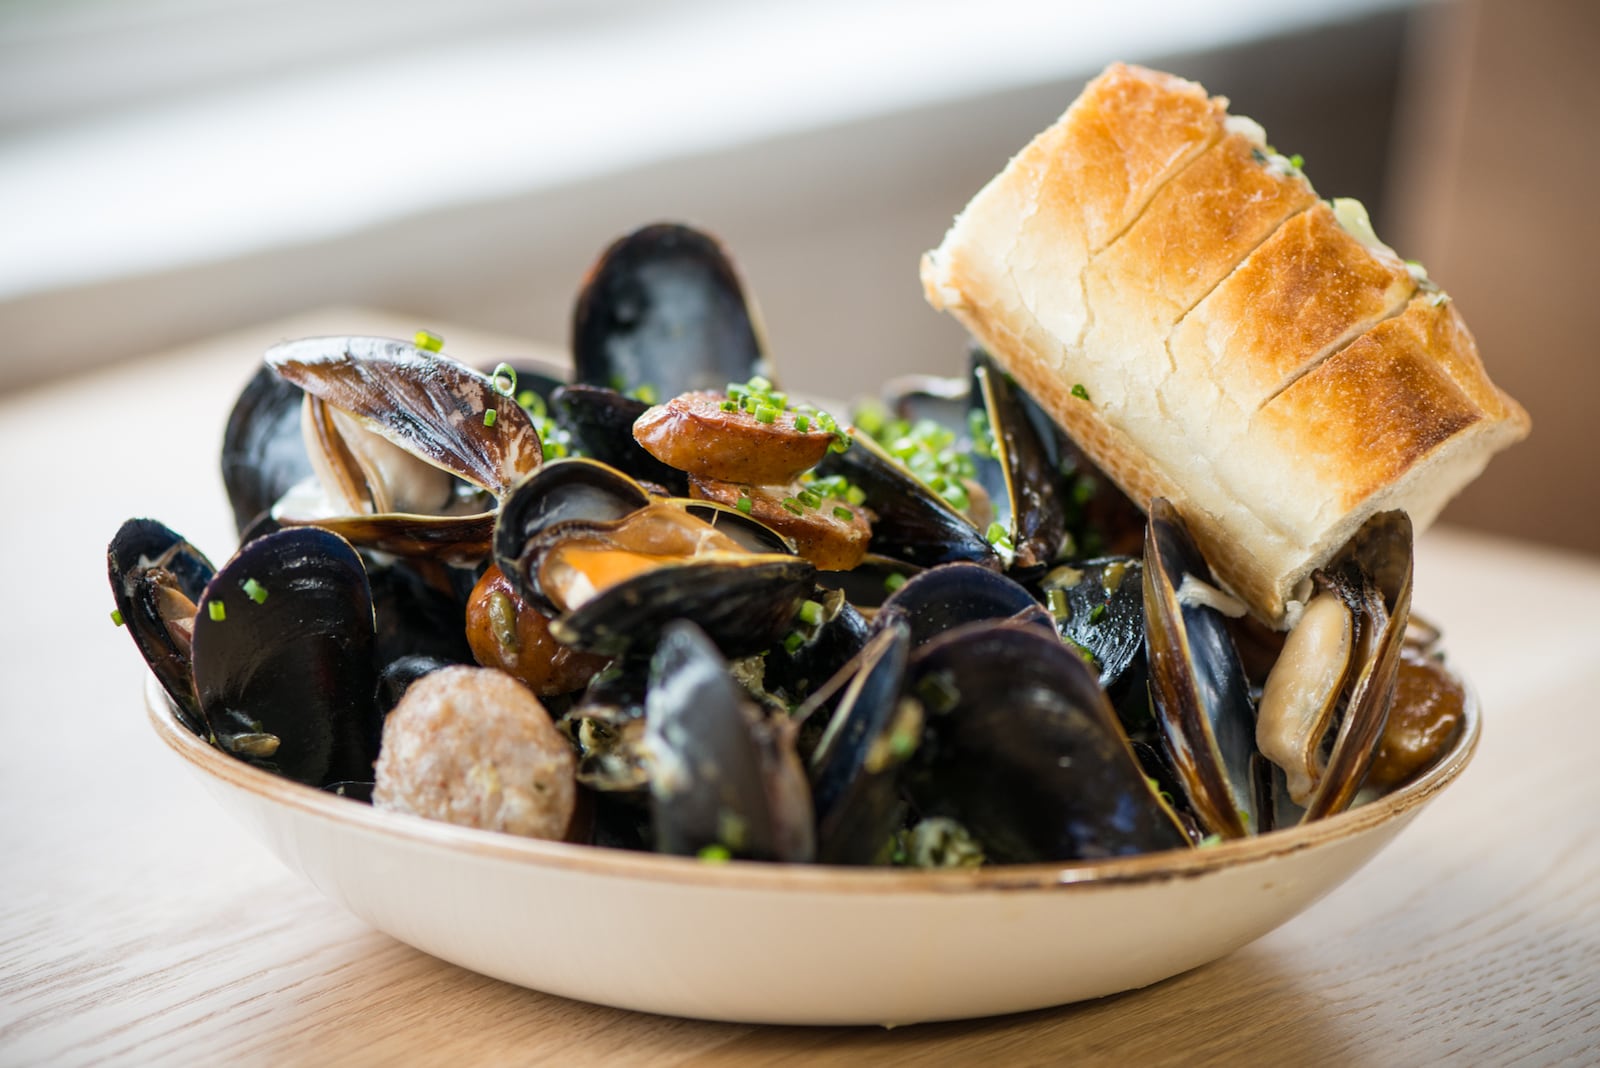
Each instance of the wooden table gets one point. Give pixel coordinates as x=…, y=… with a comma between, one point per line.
x=138, y=925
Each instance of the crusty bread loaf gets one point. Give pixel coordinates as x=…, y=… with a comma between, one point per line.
x=1247, y=350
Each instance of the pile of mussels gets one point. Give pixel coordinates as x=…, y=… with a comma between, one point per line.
x=937, y=637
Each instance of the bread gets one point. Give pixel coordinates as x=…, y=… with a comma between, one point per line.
x=1247, y=350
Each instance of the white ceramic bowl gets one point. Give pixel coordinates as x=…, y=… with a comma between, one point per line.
x=769, y=943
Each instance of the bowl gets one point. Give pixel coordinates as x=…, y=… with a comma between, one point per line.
x=767, y=943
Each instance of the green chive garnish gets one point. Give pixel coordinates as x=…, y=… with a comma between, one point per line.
x=894, y=581
x=116, y=616
x=218, y=611
x=995, y=534
x=1297, y=161
x=427, y=339
x=856, y=496
x=255, y=591
x=766, y=414
x=794, y=506
x=1210, y=841
x=716, y=853
x=843, y=514
x=1059, y=606
x=744, y=504
x=810, y=498
x=810, y=613
x=1097, y=613
x=488, y=417
x=802, y=423
x=504, y=379
x=1079, y=392
x=793, y=641
x=728, y=406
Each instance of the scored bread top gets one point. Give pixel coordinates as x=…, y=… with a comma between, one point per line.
x=1276, y=375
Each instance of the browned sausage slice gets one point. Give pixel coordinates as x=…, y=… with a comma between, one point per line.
x=693, y=433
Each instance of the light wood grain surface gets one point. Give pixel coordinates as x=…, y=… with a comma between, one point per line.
x=138, y=925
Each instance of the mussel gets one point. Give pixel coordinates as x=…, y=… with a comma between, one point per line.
x=614, y=566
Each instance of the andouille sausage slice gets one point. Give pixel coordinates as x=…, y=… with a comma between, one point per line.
x=693, y=433
x=820, y=533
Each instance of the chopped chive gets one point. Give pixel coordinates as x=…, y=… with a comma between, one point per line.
x=766, y=414
x=427, y=339
x=1297, y=161
x=1097, y=613
x=716, y=853
x=116, y=617
x=218, y=611
x=488, y=417
x=761, y=384
x=1079, y=392
x=1210, y=841
x=1060, y=608
x=729, y=406
x=793, y=640
x=792, y=505
x=995, y=534
x=810, y=498
x=802, y=423
x=856, y=496
x=506, y=374
x=744, y=504
x=894, y=581
x=842, y=513
x=527, y=398
x=645, y=393
x=254, y=590
x=810, y=613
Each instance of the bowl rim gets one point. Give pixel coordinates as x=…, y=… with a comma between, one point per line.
x=210, y=762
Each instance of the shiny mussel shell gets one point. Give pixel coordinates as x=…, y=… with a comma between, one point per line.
x=283, y=647
x=721, y=774
x=263, y=451
x=1203, y=710
x=664, y=308
x=744, y=594
x=1021, y=747
x=156, y=578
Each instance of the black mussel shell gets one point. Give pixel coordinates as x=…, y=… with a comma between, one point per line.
x=909, y=521
x=397, y=675
x=563, y=491
x=287, y=682
x=664, y=308
x=263, y=452
x=600, y=421
x=953, y=595
x=143, y=557
x=743, y=606
x=797, y=666
x=1098, y=605
x=428, y=404
x=420, y=609
x=855, y=767
x=1031, y=503
x=1198, y=686
x=1021, y=747
x=721, y=775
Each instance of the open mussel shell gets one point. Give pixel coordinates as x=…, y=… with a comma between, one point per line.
x=600, y=421
x=872, y=732
x=429, y=405
x=1327, y=700
x=1021, y=747
x=721, y=774
x=953, y=595
x=664, y=308
x=1098, y=605
x=909, y=521
x=156, y=578
x=263, y=451
x=744, y=599
x=283, y=646
x=1203, y=709
x=796, y=667
x=1030, y=505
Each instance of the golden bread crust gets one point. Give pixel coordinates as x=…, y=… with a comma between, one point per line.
x=1276, y=377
